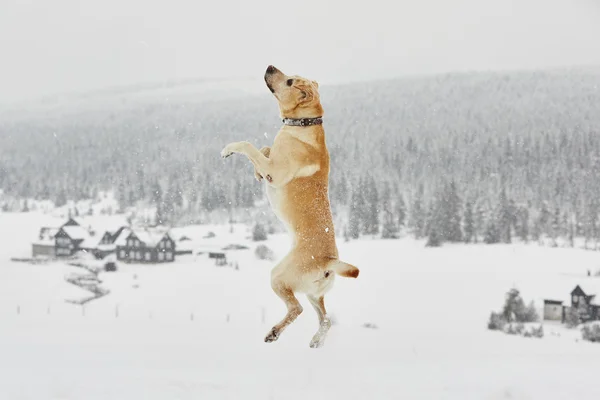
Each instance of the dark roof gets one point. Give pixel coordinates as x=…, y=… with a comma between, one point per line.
x=71, y=222
x=578, y=291
x=555, y=302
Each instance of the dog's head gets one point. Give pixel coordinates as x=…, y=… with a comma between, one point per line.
x=298, y=97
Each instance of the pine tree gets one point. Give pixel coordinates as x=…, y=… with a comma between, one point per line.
x=141, y=188
x=469, y=222
x=61, y=198
x=131, y=198
x=514, y=307
x=389, y=229
x=122, y=197
x=451, y=214
x=360, y=207
x=417, y=214
x=157, y=200
x=259, y=233
x=342, y=191
x=354, y=216
x=401, y=212
x=480, y=222
x=193, y=197
x=572, y=317
x=522, y=225
x=433, y=239
x=504, y=217
x=177, y=196
x=591, y=221
x=544, y=220
x=492, y=235
x=570, y=227
x=372, y=208
x=556, y=226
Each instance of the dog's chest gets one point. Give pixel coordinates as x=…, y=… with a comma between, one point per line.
x=276, y=199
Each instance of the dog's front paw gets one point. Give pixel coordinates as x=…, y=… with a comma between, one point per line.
x=272, y=336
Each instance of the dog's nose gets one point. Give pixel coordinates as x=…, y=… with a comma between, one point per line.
x=271, y=69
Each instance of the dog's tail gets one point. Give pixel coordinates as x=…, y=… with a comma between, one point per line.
x=343, y=269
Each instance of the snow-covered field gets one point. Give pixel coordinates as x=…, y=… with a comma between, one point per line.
x=191, y=330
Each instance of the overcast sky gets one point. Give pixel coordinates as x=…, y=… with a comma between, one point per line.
x=54, y=46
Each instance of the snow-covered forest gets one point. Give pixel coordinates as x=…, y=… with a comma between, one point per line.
x=456, y=157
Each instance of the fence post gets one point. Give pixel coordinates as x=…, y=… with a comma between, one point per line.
x=48, y=310
x=191, y=316
x=227, y=318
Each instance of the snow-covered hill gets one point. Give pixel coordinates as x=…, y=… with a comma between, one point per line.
x=191, y=330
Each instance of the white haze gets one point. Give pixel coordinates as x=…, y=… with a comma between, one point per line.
x=60, y=46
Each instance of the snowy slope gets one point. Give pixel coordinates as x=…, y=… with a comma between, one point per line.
x=191, y=330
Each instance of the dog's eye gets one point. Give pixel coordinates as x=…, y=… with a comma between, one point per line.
x=289, y=82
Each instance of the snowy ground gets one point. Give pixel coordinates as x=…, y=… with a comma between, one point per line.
x=191, y=330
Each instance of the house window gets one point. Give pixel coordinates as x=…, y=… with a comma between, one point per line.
x=161, y=256
x=168, y=244
x=161, y=245
x=169, y=256
x=574, y=299
x=138, y=255
x=129, y=243
x=132, y=255
x=148, y=256
x=137, y=243
x=122, y=254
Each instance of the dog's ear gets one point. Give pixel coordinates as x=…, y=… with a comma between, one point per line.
x=306, y=94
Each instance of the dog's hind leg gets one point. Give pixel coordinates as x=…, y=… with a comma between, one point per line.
x=324, y=323
x=294, y=309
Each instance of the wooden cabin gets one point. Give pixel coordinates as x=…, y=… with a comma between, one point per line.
x=143, y=246
x=556, y=310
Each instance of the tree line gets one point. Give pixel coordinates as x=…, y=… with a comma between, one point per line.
x=486, y=157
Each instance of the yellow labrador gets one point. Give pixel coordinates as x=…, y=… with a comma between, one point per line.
x=296, y=170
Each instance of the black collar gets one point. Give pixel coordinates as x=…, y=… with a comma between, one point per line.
x=303, y=121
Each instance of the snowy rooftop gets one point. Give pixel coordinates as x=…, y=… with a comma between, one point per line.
x=122, y=239
x=150, y=238
x=76, y=232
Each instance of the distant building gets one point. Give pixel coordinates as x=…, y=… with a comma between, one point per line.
x=108, y=242
x=44, y=246
x=69, y=240
x=555, y=310
x=145, y=246
x=71, y=237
